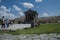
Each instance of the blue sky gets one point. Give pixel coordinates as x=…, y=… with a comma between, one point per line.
x=16, y=8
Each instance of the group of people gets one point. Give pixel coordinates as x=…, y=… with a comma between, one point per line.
x=5, y=22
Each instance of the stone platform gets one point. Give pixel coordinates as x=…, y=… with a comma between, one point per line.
x=16, y=26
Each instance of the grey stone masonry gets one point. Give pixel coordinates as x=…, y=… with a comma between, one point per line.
x=51, y=36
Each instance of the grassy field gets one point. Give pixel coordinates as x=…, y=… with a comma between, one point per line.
x=44, y=28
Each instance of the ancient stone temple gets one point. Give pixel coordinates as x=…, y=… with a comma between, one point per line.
x=31, y=17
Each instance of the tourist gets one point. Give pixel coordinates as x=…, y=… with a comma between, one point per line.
x=7, y=22
x=3, y=22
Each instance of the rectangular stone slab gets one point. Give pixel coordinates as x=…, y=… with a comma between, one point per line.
x=16, y=26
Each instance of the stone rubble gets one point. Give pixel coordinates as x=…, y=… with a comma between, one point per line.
x=51, y=36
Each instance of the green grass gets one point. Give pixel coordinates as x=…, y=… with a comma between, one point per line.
x=44, y=28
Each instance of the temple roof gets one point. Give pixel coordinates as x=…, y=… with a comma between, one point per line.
x=31, y=12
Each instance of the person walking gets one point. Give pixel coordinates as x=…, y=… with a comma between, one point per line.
x=3, y=22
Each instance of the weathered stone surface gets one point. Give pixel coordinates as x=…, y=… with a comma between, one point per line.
x=32, y=36
x=36, y=39
x=26, y=39
x=21, y=36
x=50, y=36
x=43, y=36
x=53, y=39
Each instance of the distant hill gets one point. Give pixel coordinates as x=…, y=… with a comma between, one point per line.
x=52, y=18
x=46, y=19
x=20, y=19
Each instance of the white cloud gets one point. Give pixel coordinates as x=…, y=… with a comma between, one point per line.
x=18, y=9
x=28, y=5
x=3, y=8
x=38, y=0
x=21, y=13
x=12, y=16
x=6, y=12
x=45, y=15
